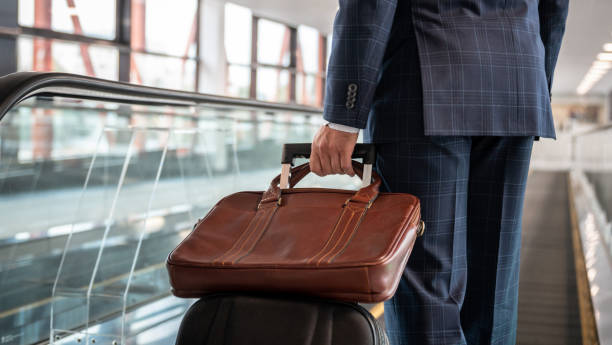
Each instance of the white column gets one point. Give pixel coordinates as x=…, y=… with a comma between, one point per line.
x=212, y=50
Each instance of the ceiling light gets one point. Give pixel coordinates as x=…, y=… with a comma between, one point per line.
x=582, y=90
x=602, y=64
x=598, y=70
x=604, y=57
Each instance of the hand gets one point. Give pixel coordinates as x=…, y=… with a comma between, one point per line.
x=331, y=152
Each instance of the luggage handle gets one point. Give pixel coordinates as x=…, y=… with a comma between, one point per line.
x=291, y=151
x=365, y=195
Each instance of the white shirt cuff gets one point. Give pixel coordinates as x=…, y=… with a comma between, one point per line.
x=342, y=128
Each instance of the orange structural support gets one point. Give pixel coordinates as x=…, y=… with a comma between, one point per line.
x=137, y=36
x=42, y=60
x=78, y=29
x=320, y=81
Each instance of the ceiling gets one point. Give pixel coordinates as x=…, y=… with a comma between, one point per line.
x=316, y=13
x=589, y=26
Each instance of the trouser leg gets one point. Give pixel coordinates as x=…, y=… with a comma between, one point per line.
x=498, y=175
x=426, y=307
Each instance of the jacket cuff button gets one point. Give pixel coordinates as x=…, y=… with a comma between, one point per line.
x=352, y=87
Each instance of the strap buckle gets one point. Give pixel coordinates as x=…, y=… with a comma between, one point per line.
x=420, y=228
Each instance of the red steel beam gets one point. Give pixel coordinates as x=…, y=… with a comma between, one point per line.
x=78, y=29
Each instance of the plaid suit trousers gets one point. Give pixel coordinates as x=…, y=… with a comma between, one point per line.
x=460, y=285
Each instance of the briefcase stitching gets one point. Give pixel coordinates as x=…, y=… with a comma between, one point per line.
x=329, y=239
x=262, y=220
x=350, y=239
x=262, y=232
x=339, y=239
x=254, y=221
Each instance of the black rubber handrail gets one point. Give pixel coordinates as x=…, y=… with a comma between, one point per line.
x=17, y=87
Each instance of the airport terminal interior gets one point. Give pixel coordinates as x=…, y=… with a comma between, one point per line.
x=101, y=178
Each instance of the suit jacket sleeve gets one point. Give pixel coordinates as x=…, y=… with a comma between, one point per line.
x=553, y=15
x=360, y=35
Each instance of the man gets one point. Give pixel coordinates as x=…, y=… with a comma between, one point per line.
x=453, y=93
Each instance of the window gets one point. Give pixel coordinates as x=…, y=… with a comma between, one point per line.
x=273, y=84
x=237, y=43
x=163, y=71
x=43, y=54
x=91, y=19
x=164, y=40
x=238, y=81
x=308, y=47
x=309, y=79
x=81, y=17
x=167, y=27
x=274, y=79
x=308, y=89
x=257, y=57
x=273, y=40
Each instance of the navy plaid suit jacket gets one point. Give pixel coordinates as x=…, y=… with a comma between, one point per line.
x=445, y=67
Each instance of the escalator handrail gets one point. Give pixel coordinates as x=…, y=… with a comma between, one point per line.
x=16, y=87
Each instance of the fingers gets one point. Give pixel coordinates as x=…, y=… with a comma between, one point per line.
x=346, y=164
x=315, y=163
x=328, y=161
x=331, y=152
x=334, y=161
x=325, y=160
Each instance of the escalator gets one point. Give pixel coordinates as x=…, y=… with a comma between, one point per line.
x=548, y=296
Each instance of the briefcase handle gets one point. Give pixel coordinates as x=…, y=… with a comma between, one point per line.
x=291, y=151
x=365, y=195
x=367, y=152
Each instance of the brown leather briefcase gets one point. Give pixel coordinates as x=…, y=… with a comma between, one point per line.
x=328, y=243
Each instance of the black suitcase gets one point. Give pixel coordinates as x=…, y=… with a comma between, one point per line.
x=232, y=319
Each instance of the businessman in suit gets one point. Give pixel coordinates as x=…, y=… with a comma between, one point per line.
x=453, y=93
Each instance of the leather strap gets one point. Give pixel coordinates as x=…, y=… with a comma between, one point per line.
x=341, y=235
x=249, y=237
x=365, y=195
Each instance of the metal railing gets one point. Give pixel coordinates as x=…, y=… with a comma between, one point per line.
x=591, y=199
